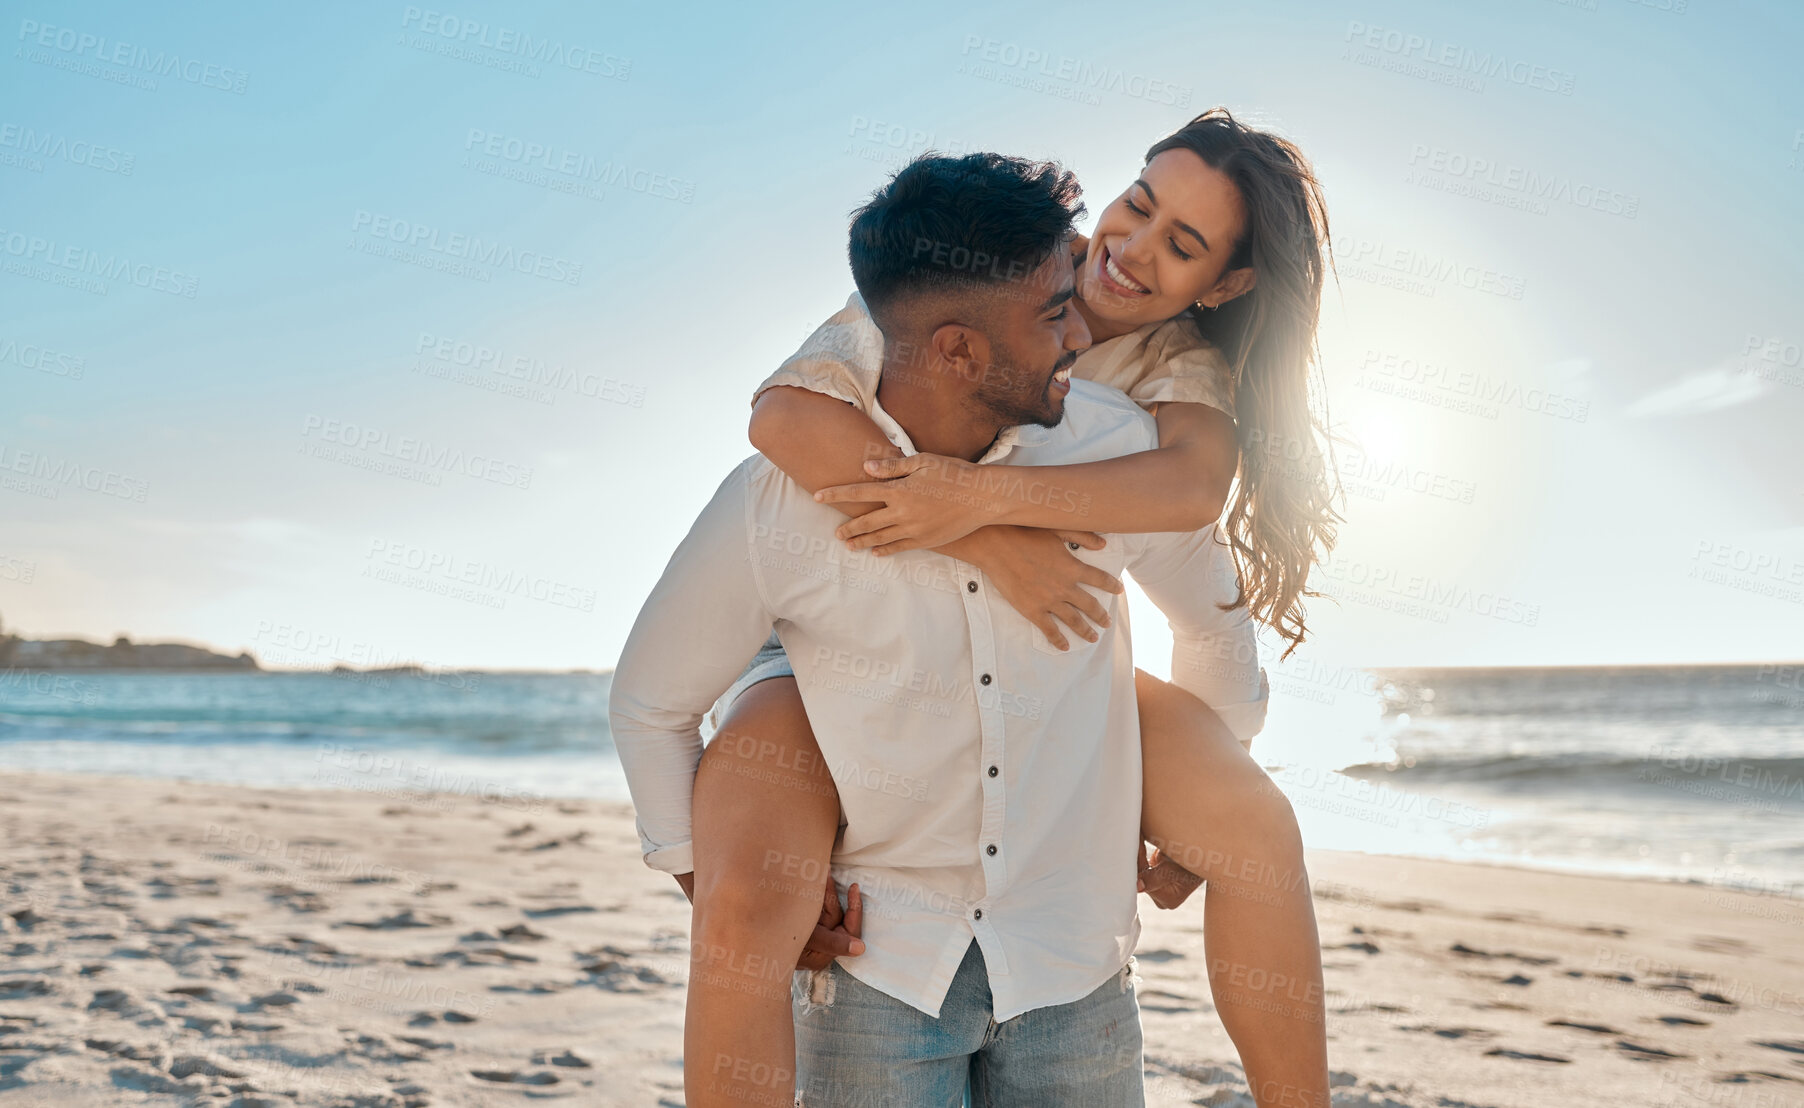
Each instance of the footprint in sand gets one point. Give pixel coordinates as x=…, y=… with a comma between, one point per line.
x=513, y=1077
x=297, y=899
x=1756, y=1076
x=256, y=1027
x=1683, y=1021
x=1646, y=1053
x=562, y=910
x=1525, y=1056
x=189, y=1064
x=137, y=1052
x=1594, y=1028
x=1793, y=1046
x=1679, y=984
x=1525, y=959
x=400, y=920
x=167, y=888
x=277, y=999
x=428, y=1019
x=198, y=992
x=565, y=1057
x=520, y=933
x=1479, y=1033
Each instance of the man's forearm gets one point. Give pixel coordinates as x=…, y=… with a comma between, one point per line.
x=703, y=620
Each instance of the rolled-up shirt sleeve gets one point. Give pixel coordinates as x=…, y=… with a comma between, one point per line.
x=701, y=624
x=1214, y=651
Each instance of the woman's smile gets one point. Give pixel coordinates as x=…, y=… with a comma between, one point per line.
x=1117, y=280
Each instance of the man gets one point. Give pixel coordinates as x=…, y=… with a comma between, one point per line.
x=995, y=834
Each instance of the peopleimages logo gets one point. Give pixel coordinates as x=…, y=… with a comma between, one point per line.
x=40, y=474
x=466, y=248
x=84, y=268
x=1456, y=171
x=464, y=34
x=79, y=47
x=552, y=166
x=1404, y=48
x=1428, y=271
x=407, y=450
x=33, y=145
x=1011, y=59
x=26, y=355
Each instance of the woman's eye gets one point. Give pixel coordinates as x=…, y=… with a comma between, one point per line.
x=1178, y=250
x=1135, y=208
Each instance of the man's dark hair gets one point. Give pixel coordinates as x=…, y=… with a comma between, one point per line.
x=948, y=224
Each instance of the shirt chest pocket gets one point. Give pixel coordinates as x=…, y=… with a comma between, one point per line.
x=1112, y=560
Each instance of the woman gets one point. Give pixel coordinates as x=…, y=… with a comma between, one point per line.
x=1201, y=288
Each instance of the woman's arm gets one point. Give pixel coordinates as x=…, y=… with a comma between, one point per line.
x=820, y=441
x=1180, y=486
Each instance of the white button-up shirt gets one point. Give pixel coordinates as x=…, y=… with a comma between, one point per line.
x=989, y=782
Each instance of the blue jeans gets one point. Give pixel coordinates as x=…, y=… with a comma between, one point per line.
x=857, y=1047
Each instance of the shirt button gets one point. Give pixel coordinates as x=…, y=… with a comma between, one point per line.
x=994, y=771
x=985, y=678
x=977, y=914
x=990, y=850
x=970, y=586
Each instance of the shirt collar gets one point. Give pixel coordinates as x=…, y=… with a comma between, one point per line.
x=1020, y=434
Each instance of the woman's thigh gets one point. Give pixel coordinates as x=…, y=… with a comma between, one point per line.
x=765, y=802
x=1201, y=788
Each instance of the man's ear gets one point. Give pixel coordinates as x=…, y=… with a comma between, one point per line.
x=1234, y=283
x=960, y=350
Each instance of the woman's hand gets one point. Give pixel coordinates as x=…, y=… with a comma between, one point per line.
x=928, y=500
x=1034, y=571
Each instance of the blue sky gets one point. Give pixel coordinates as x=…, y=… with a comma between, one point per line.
x=391, y=332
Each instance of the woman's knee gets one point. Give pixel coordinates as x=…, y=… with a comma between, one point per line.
x=1271, y=812
x=766, y=812
x=749, y=900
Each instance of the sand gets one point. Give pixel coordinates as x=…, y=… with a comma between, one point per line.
x=168, y=942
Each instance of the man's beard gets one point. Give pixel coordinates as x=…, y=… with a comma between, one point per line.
x=1017, y=398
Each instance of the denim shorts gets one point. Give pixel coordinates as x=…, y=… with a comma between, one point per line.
x=770, y=661
x=857, y=1047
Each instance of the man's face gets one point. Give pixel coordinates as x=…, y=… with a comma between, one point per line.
x=1035, y=334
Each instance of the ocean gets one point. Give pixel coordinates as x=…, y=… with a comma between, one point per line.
x=1687, y=773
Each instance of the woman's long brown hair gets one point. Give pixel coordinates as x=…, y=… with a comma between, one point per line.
x=1281, y=518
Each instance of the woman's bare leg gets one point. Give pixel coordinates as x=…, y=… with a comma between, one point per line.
x=1211, y=809
x=766, y=812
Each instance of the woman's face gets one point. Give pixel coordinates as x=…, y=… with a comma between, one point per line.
x=1164, y=244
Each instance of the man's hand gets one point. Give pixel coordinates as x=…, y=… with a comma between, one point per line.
x=1168, y=883
x=837, y=933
